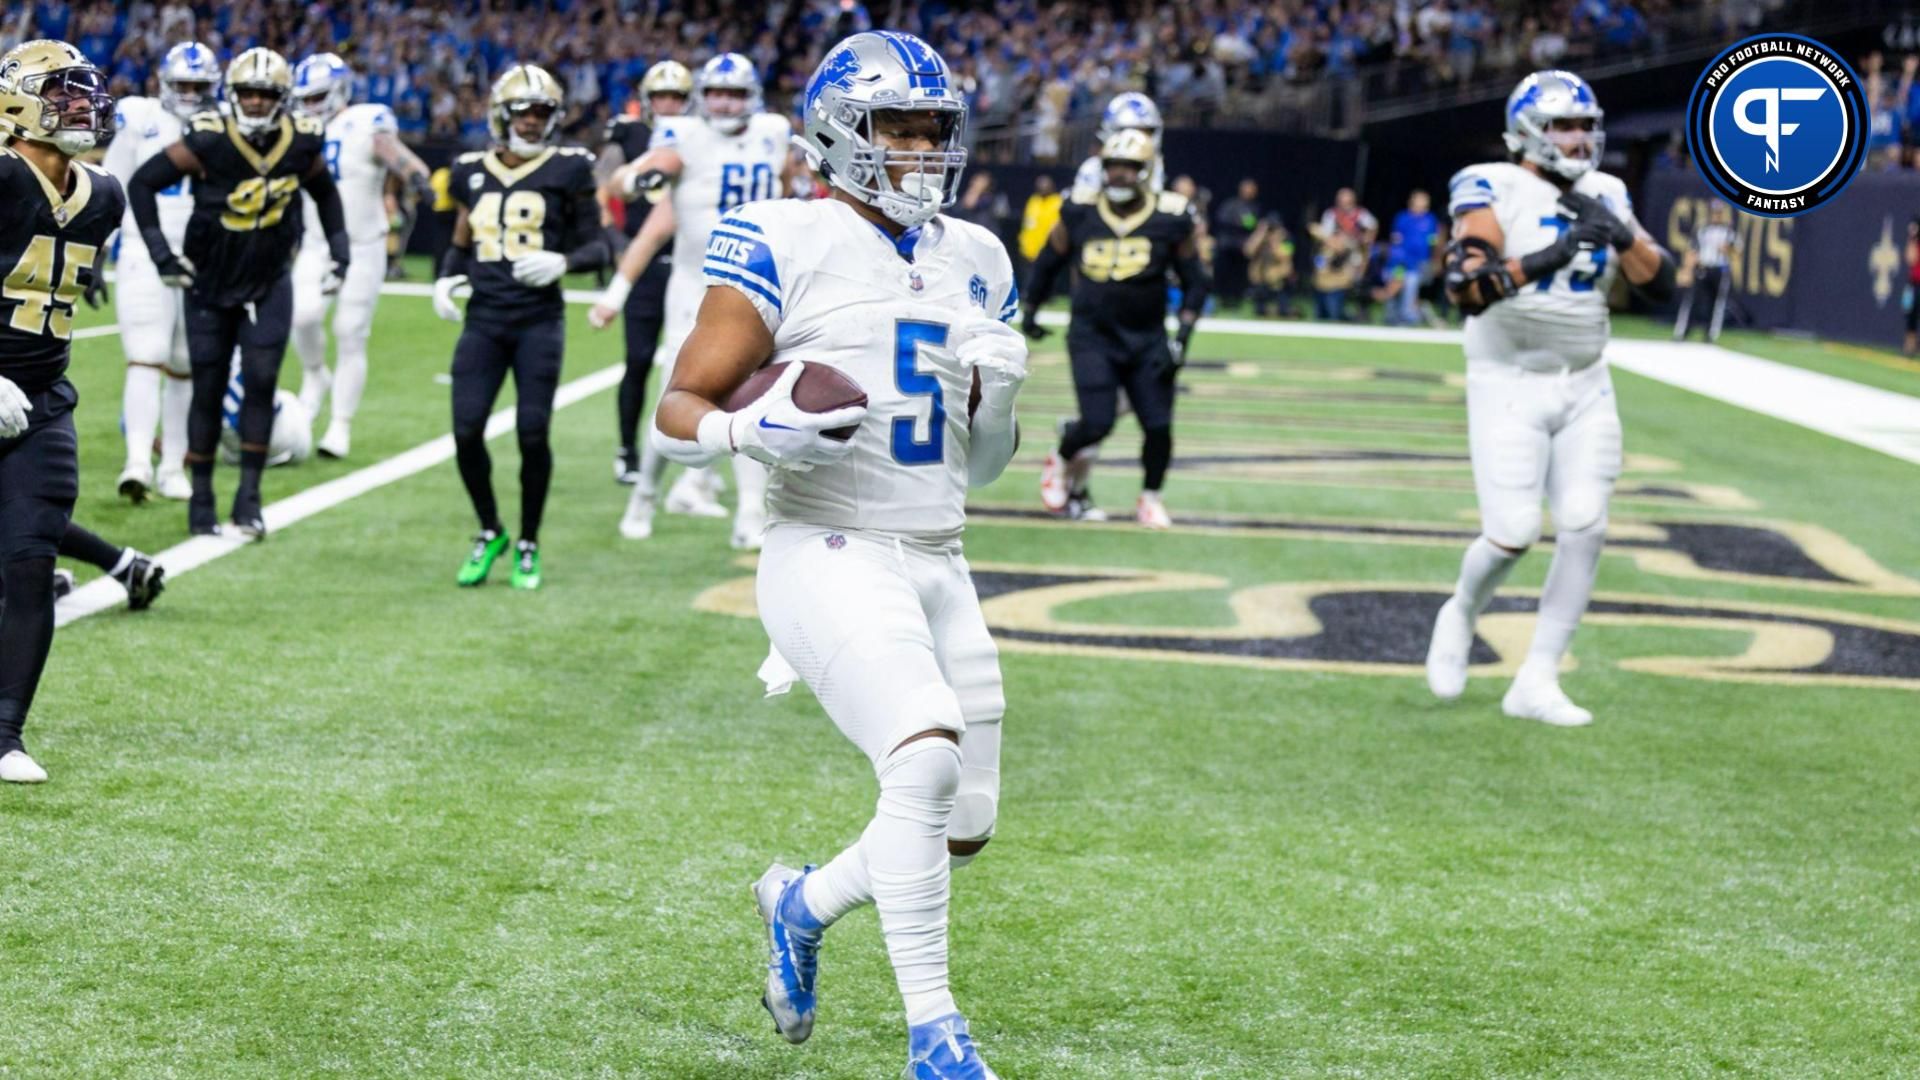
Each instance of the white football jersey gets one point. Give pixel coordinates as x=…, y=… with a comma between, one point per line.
x=1092, y=177
x=143, y=128
x=357, y=171
x=717, y=173
x=1559, y=321
x=834, y=290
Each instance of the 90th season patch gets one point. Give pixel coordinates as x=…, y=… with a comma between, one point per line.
x=1777, y=124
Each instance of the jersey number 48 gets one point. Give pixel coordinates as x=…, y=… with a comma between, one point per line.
x=508, y=227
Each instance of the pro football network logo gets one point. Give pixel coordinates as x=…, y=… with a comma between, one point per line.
x=1777, y=124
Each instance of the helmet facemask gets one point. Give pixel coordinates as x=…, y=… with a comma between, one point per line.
x=509, y=116
x=76, y=112
x=252, y=123
x=732, y=119
x=929, y=180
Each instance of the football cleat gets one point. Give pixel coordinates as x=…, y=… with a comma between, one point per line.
x=942, y=1050
x=1080, y=508
x=62, y=583
x=136, y=480
x=1053, y=484
x=690, y=495
x=1150, y=512
x=626, y=465
x=173, y=485
x=793, y=958
x=17, y=768
x=487, y=547
x=1540, y=698
x=526, y=565
x=337, y=440
x=202, y=518
x=1447, y=652
x=637, y=522
x=247, y=516
x=144, y=580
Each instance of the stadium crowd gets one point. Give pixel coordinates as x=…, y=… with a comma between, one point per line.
x=1047, y=64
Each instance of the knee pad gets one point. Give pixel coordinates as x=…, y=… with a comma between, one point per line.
x=1515, y=528
x=976, y=801
x=352, y=327
x=1585, y=512
x=918, y=781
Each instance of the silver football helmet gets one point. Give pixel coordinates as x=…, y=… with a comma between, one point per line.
x=322, y=86
x=728, y=71
x=1131, y=111
x=189, y=79
x=877, y=71
x=1539, y=100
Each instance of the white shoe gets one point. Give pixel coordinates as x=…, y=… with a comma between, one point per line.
x=637, y=522
x=136, y=480
x=17, y=768
x=337, y=440
x=1540, y=698
x=1448, y=649
x=1150, y=512
x=174, y=485
x=1053, y=484
x=690, y=496
x=313, y=390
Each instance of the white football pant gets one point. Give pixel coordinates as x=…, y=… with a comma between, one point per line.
x=352, y=319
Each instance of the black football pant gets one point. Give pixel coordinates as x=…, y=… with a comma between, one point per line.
x=1104, y=361
x=39, y=481
x=259, y=331
x=1705, y=302
x=487, y=351
x=644, y=314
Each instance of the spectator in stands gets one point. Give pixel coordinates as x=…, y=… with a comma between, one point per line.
x=983, y=204
x=1411, y=251
x=1038, y=219
x=1337, y=265
x=1910, y=298
x=1883, y=120
x=1270, y=267
x=1346, y=215
x=1233, y=225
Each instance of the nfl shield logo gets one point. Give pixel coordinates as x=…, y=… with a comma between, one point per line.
x=913, y=280
x=835, y=541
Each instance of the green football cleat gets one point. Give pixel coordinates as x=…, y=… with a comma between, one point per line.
x=526, y=565
x=487, y=547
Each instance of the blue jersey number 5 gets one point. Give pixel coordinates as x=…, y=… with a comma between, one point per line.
x=908, y=336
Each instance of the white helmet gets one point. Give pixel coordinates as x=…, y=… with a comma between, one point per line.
x=292, y=440
x=324, y=77
x=1539, y=100
x=189, y=63
x=728, y=71
x=878, y=71
x=1130, y=111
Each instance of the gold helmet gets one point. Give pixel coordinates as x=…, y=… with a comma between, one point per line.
x=665, y=77
x=1131, y=145
x=262, y=70
x=522, y=87
x=51, y=93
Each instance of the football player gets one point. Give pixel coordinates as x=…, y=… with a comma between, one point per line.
x=861, y=582
x=727, y=154
x=362, y=146
x=153, y=324
x=1126, y=240
x=135, y=571
x=1131, y=111
x=249, y=165
x=526, y=216
x=664, y=92
x=56, y=215
x=1536, y=243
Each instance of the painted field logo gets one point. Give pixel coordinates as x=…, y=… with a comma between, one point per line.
x=1777, y=124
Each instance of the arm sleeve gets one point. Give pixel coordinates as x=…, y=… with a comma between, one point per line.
x=1195, y=282
x=587, y=245
x=159, y=172
x=1470, y=189
x=740, y=255
x=333, y=216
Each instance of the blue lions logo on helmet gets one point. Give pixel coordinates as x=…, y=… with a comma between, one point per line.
x=837, y=71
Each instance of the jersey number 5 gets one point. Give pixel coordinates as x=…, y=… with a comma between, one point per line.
x=908, y=336
x=259, y=204
x=30, y=285
x=509, y=226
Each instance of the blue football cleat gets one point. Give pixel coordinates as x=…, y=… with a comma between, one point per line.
x=942, y=1050
x=793, y=937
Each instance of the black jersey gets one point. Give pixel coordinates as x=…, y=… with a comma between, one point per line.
x=1123, y=263
x=48, y=249
x=546, y=203
x=632, y=135
x=247, y=216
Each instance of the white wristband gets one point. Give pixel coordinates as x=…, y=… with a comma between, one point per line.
x=615, y=296
x=715, y=433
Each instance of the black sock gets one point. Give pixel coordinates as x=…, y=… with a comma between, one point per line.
x=536, y=474
x=1156, y=454
x=88, y=547
x=26, y=636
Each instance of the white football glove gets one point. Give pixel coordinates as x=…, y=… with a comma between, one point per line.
x=445, y=291
x=539, y=268
x=335, y=277
x=776, y=432
x=999, y=353
x=14, y=408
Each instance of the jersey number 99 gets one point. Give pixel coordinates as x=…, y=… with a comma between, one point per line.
x=508, y=228
x=40, y=304
x=1116, y=259
x=257, y=203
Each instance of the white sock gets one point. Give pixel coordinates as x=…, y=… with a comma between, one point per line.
x=1482, y=569
x=140, y=411
x=1576, y=562
x=349, y=378
x=653, y=464
x=310, y=342
x=906, y=855
x=838, y=887
x=176, y=402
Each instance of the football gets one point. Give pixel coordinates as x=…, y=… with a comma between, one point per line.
x=819, y=389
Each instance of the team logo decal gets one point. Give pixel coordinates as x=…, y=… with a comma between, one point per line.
x=977, y=291
x=1777, y=124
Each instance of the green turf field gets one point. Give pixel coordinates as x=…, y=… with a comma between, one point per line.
x=320, y=813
